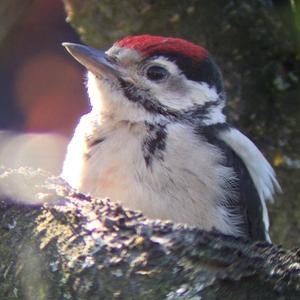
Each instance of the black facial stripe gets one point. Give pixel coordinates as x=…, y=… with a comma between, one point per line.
x=200, y=112
x=154, y=143
x=205, y=70
x=143, y=98
x=91, y=143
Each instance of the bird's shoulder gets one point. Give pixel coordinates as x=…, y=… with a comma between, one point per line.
x=255, y=176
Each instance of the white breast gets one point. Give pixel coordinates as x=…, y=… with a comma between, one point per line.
x=186, y=185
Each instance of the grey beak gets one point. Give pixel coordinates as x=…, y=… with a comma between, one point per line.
x=94, y=60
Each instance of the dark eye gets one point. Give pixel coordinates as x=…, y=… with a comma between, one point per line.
x=157, y=73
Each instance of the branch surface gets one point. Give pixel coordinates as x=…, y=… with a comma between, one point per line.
x=78, y=247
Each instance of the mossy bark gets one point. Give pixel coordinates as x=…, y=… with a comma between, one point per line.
x=257, y=46
x=76, y=247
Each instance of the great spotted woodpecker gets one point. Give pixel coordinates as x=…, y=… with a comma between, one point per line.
x=156, y=139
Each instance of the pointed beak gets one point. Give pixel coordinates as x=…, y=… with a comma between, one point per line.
x=94, y=60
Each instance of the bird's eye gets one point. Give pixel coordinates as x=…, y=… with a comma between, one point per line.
x=156, y=73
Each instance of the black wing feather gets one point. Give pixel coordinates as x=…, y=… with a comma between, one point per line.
x=248, y=205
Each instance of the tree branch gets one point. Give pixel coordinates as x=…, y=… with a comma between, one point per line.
x=77, y=247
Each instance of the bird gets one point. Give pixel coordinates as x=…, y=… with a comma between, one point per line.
x=157, y=140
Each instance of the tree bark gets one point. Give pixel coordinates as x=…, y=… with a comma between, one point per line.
x=77, y=247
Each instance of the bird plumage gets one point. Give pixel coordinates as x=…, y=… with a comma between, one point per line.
x=157, y=140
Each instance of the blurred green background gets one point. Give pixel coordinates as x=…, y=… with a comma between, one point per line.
x=256, y=43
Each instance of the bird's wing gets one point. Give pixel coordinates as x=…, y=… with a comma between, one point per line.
x=257, y=181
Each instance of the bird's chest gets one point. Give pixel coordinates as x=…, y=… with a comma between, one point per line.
x=111, y=167
x=166, y=173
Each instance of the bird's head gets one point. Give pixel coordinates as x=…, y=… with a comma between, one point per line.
x=153, y=78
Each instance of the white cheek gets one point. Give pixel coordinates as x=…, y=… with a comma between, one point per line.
x=171, y=99
x=201, y=93
x=188, y=94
